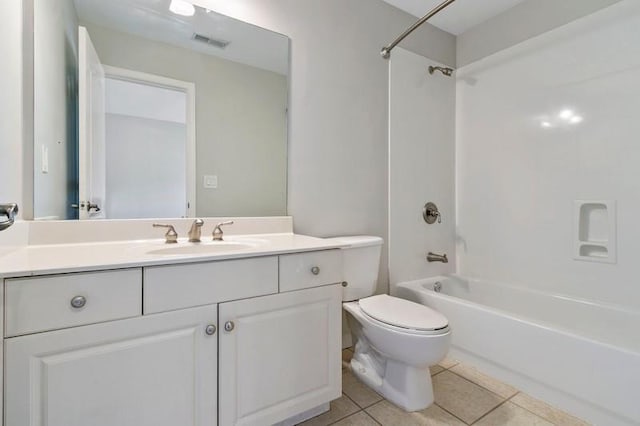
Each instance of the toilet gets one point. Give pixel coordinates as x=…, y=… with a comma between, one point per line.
x=395, y=340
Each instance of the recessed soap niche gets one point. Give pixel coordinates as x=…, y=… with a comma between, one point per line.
x=595, y=231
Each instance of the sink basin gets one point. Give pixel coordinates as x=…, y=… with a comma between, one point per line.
x=203, y=248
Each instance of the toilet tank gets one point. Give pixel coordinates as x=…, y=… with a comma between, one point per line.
x=361, y=263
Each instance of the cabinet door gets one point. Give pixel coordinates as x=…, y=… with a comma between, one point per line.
x=150, y=371
x=281, y=357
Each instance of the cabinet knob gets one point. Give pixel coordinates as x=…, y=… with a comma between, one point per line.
x=78, y=302
x=229, y=326
x=315, y=270
x=210, y=330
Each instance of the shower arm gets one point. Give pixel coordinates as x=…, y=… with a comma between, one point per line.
x=386, y=51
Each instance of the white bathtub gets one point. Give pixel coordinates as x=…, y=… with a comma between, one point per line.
x=578, y=355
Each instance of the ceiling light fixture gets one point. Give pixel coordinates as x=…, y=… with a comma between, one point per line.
x=182, y=7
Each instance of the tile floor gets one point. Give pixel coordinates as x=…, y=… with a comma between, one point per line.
x=463, y=396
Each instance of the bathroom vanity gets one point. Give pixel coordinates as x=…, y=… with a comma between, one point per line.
x=122, y=333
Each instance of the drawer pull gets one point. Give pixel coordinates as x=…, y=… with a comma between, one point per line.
x=315, y=270
x=210, y=330
x=229, y=326
x=78, y=302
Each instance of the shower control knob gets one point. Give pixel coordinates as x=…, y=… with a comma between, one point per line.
x=229, y=326
x=210, y=330
x=315, y=270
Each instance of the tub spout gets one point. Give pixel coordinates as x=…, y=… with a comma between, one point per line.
x=432, y=257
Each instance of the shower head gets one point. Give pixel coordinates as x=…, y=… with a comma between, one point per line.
x=444, y=70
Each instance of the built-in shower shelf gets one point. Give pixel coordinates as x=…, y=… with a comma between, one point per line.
x=595, y=231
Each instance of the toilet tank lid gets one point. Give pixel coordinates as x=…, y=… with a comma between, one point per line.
x=359, y=240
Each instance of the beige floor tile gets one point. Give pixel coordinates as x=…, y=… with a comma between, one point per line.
x=360, y=393
x=388, y=414
x=358, y=419
x=485, y=381
x=546, y=411
x=509, y=414
x=448, y=363
x=462, y=398
x=347, y=354
x=340, y=408
x=435, y=369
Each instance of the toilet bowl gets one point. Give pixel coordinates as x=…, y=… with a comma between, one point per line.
x=394, y=359
x=395, y=340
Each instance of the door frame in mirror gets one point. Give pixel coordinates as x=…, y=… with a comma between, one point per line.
x=189, y=89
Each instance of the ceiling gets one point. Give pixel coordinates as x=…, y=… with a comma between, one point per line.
x=151, y=19
x=459, y=16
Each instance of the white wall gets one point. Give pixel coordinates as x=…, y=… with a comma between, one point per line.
x=55, y=116
x=517, y=181
x=523, y=21
x=11, y=103
x=421, y=164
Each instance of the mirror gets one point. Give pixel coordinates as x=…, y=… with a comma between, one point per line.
x=155, y=109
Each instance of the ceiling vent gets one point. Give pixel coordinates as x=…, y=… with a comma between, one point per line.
x=220, y=44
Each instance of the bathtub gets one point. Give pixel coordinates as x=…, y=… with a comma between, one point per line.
x=581, y=356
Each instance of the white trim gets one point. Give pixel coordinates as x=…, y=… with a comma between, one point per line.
x=189, y=89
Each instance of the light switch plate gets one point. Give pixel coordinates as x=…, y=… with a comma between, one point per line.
x=210, y=181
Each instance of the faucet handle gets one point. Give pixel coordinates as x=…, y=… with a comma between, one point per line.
x=217, y=231
x=10, y=211
x=171, y=236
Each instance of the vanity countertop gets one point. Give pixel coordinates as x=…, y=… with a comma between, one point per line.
x=64, y=258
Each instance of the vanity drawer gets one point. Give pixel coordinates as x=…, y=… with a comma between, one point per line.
x=46, y=303
x=182, y=286
x=313, y=269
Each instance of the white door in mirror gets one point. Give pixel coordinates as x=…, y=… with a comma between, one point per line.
x=91, y=108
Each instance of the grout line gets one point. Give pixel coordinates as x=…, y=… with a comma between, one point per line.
x=489, y=412
x=482, y=387
x=441, y=371
x=372, y=418
x=540, y=415
x=447, y=411
x=382, y=398
x=494, y=409
x=343, y=417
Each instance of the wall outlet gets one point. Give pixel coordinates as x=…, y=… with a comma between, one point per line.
x=210, y=181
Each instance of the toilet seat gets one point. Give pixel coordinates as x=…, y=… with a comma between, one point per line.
x=403, y=314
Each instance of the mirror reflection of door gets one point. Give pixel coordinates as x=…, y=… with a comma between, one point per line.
x=91, y=107
x=149, y=146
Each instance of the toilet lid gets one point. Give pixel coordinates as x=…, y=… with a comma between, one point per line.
x=402, y=313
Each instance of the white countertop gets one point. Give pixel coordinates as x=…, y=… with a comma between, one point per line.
x=63, y=258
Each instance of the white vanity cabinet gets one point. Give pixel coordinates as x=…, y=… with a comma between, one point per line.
x=279, y=355
x=154, y=370
x=192, y=344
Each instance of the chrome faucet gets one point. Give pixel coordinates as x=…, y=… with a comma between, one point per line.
x=217, y=231
x=432, y=257
x=196, y=231
x=10, y=211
